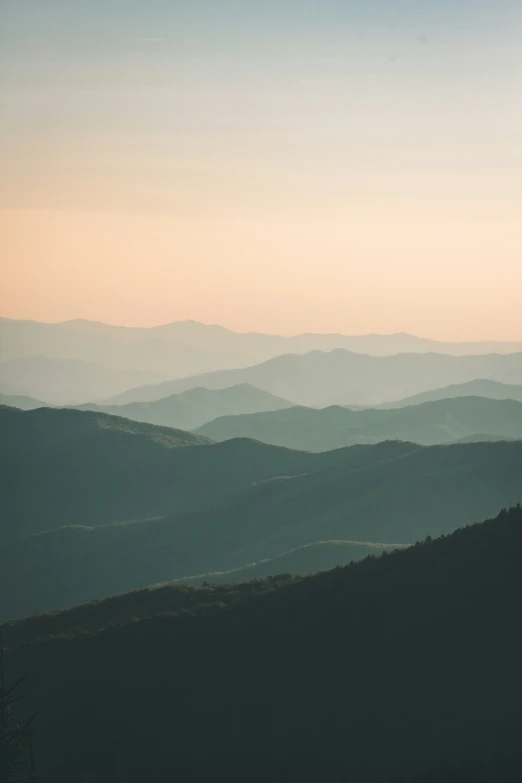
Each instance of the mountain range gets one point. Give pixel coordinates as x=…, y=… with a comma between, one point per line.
x=196, y=406
x=94, y=505
x=151, y=348
x=80, y=361
x=429, y=423
x=404, y=667
x=340, y=377
x=481, y=387
x=153, y=352
x=65, y=381
x=68, y=467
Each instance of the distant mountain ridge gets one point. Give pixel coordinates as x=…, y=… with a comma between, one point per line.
x=215, y=337
x=182, y=349
x=64, y=381
x=150, y=352
x=21, y=401
x=194, y=407
x=428, y=423
x=480, y=387
x=256, y=346
x=319, y=379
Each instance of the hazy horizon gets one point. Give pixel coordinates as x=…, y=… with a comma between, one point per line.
x=157, y=325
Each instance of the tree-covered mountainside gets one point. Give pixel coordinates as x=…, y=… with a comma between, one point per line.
x=341, y=377
x=402, y=668
x=393, y=492
x=66, y=467
x=195, y=407
x=430, y=423
x=25, y=433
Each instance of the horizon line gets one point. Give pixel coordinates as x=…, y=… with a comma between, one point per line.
x=260, y=333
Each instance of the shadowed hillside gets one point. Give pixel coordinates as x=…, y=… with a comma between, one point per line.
x=393, y=492
x=416, y=653
x=430, y=423
x=67, y=467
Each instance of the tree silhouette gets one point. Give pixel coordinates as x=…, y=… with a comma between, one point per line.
x=16, y=757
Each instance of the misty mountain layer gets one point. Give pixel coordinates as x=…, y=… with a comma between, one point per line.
x=339, y=377
x=66, y=381
x=430, y=423
x=195, y=407
x=196, y=347
x=481, y=387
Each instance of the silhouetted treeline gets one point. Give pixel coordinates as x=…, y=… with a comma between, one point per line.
x=16, y=758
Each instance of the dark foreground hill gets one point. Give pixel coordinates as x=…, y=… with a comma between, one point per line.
x=441, y=421
x=401, y=668
x=195, y=407
x=395, y=493
x=66, y=467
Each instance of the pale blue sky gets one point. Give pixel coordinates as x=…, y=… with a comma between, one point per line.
x=435, y=81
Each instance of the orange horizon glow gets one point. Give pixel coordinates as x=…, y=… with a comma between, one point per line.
x=263, y=274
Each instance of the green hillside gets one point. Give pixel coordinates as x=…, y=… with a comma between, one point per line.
x=416, y=654
x=194, y=407
x=430, y=423
x=33, y=431
x=393, y=492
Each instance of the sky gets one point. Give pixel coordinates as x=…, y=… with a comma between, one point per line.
x=279, y=166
